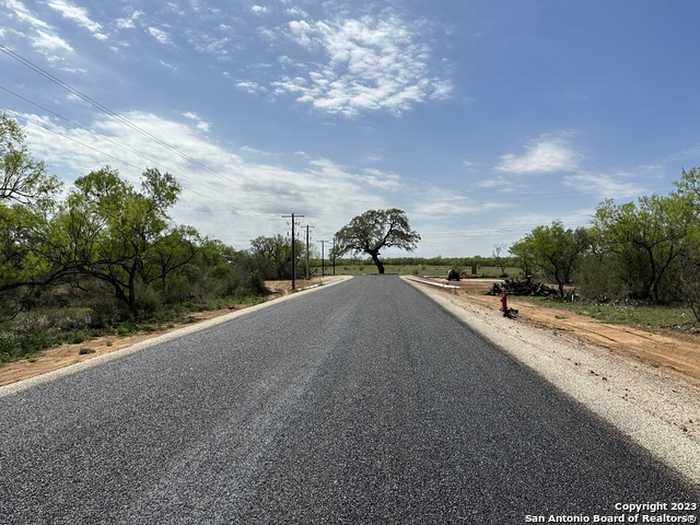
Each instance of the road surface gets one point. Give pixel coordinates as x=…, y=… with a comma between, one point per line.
x=364, y=402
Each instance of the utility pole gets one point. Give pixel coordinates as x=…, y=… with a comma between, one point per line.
x=334, y=255
x=294, y=255
x=307, y=251
x=323, y=262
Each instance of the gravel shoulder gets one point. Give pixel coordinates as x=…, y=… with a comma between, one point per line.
x=657, y=409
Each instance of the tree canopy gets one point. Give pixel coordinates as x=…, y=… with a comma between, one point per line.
x=553, y=250
x=375, y=230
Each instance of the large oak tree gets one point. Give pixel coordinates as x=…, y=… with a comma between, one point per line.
x=375, y=230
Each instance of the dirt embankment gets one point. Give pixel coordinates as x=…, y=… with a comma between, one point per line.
x=677, y=353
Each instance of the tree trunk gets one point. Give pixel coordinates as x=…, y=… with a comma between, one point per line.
x=377, y=262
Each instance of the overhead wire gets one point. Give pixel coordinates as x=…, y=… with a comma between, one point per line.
x=139, y=154
x=116, y=116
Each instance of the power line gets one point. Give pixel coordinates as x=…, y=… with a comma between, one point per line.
x=99, y=106
x=75, y=122
x=108, y=139
x=87, y=146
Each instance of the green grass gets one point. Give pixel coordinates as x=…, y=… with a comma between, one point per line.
x=649, y=316
x=419, y=269
x=33, y=331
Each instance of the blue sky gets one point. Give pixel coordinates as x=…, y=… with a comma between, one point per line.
x=481, y=119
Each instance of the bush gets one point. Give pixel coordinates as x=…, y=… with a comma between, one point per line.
x=596, y=285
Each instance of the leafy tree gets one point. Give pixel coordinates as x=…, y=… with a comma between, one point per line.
x=554, y=251
x=27, y=202
x=171, y=252
x=112, y=231
x=274, y=256
x=646, y=238
x=525, y=257
x=22, y=179
x=375, y=230
x=690, y=272
x=689, y=186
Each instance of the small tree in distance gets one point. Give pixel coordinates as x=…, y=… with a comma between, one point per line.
x=554, y=251
x=375, y=230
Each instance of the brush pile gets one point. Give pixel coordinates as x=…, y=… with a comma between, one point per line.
x=524, y=286
x=453, y=275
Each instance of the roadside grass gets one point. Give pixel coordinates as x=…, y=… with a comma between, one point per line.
x=419, y=269
x=30, y=332
x=675, y=317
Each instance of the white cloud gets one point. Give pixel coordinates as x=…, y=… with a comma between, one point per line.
x=370, y=177
x=296, y=12
x=235, y=201
x=371, y=64
x=250, y=86
x=200, y=124
x=79, y=15
x=439, y=204
x=605, y=185
x=130, y=21
x=160, y=35
x=21, y=13
x=259, y=9
x=546, y=154
x=44, y=38
x=168, y=65
x=209, y=44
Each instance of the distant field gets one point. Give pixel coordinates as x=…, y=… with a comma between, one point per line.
x=416, y=269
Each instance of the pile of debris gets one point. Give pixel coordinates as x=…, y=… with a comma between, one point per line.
x=453, y=275
x=525, y=286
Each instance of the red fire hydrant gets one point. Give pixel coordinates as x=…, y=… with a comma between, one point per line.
x=504, y=302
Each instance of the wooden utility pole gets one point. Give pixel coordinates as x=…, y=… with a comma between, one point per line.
x=323, y=254
x=307, y=251
x=333, y=255
x=294, y=255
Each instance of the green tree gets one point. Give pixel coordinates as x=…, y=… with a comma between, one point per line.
x=554, y=251
x=375, y=230
x=27, y=203
x=646, y=238
x=112, y=232
x=689, y=186
x=274, y=256
x=22, y=178
x=690, y=272
x=525, y=257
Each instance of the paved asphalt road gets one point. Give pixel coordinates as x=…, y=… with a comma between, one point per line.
x=364, y=402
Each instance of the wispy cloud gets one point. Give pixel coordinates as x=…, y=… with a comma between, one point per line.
x=160, y=35
x=259, y=9
x=250, y=86
x=237, y=199
x=79, y=15
x=129, y=22
x=436, y=204
x=44, y=37
x=618, y=185
x=200, y=123
x=546, y=154
x=370, y=64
